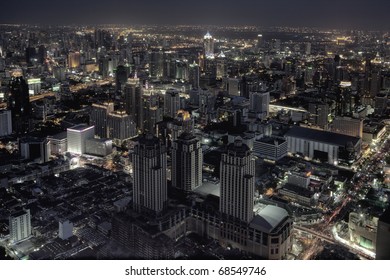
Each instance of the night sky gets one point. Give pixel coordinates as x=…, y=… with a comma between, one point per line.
x=372, y=14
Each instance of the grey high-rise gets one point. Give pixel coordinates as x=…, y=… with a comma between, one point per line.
x=187, y=161
x=150, y=171
x=237, y=177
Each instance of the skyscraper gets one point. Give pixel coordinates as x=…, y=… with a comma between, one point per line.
x=19, y=104
x=237, y=177
x=5, y=122
x=150, y=169
x=171, y=103
x=133, y=101
x=98, y=118
x=319, y=112
x=259, y=103
x=208, y=43
x=187, y=161
x=156, y=64
x=20, y=225
x=194, y=75
x=120, y=127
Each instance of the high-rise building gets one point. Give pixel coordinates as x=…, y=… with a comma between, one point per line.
x=150, y=171
x=73, y=59
x=259, y=103
x=152, y=113
x=31, y=55
x=171, y=103
x=121, y=127
x=20, y=225
x=319, y=112
x=98, y=118
x=121, y=75
x=77, y=136
x=193, y=78
x=19, y=104
x=5, y=123
x=133, y=100
x=221, y=70
x=157, y=64
x=381, y=103
x=348, y=126
x=65, y=229
x=237, y=177
x=187, y=161
x=208, y=43
x=42, y=54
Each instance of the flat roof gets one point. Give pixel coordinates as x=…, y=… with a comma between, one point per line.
x=80, y=127
x=209, y=188
x=268, y=218
x=321, y=136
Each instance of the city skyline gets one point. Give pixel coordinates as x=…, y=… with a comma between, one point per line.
x=195, y=130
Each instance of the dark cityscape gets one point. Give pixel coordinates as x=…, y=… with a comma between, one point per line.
x=196, y=136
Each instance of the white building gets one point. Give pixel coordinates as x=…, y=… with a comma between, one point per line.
x=5, y=123
x=77, y=136
x=322, y=145
x=20, y=225
x=270, y=148
x=65, y=229
x=98, y=147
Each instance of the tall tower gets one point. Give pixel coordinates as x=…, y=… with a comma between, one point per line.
x=99, y=114
x=208, y=42
x=187, y=161
x=171, y=103
x=237, y=177
x=19, y=104
x=133, y=100
x=20, y=225
x=259, y=103
x=150, y=170
x=194, y=75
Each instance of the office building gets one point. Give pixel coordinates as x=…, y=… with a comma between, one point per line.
x=270, y=148
x=65, y=229
x=319, y=114
x=171, y=103
x=58, y=143
x=35, y=149
x=77, y=137
x=20, y=225
x=98, y=118
x=208, y=43
x=348, y=126
x=34, y=86
x=150, y=170
x=133, y=101
x=259, y=103
x=19, y=104
x=121, y=127
x=193, y=75
x=237, y=182
x=5, y=122
x=187, y=162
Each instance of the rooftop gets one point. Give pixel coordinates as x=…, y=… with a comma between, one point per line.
x=268, y=218
x=321, y=136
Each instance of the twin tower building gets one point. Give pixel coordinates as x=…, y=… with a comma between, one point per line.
x=237, y=174
x=264, y=230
